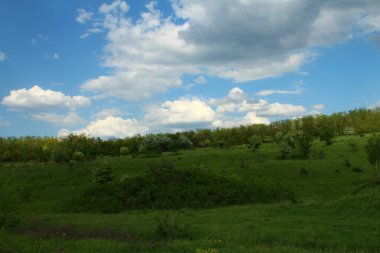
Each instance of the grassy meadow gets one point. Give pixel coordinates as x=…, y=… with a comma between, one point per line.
x=336, y=207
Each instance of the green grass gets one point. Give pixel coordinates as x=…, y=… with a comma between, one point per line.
x=338, y=210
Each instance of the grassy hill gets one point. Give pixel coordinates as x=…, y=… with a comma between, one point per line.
x=336, y=206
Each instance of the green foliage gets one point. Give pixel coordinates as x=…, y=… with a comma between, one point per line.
x=102, y=175
x=79, y=156
x=304, y=142
x=165, y=187
x=59, y=154
x=373, y=152
x=327, y=134
x=183, y=142
x=43, y=149
x=349, y=131
x=255, y=142
x=124, y=151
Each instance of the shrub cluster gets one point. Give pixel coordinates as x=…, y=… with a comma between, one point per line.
x=165, y=187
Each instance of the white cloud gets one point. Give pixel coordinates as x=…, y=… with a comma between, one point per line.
x=38, y=98
x=282, y=92
x=185, y=111
x=134, y=84
x=83, y=16
x=71, y=119
x=318, y=107
x=230, y=121
x=3, y=57
x=110, y=127
x=90, y=32
x=223, y=38
x=238, y=101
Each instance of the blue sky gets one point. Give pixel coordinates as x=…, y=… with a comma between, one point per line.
x=120, y=68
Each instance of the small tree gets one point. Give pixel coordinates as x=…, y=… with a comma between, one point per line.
x=373, y=152
x=103, y=175
x=304, y=142
x=254, y=143
x=79, y=156
x=327, y=134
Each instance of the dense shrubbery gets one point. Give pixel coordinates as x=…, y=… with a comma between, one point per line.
x=165, y=187
x=289, y=134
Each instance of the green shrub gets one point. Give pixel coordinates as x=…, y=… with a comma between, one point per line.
x=79, y=156
x=124, y=151
x=165, y=187
x=59, y=154
x=102, y=175
x=254, y=143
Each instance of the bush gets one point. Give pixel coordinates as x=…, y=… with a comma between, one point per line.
x=349, y=131
x=103, y=175
x=254, y=143
x=165, y=187
x=59, y=154
x=124, y=151
x=79, y=156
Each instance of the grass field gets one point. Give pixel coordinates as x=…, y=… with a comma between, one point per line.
x=337, y=206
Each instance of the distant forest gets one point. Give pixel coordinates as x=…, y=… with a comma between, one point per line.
x=290, y=134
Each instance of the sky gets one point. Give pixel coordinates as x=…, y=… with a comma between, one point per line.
x=120, y=68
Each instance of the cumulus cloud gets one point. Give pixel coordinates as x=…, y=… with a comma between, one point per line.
x=238, y=101
x=134, y=84
x=83, y=16
x=110, y=127
x=223, y=38
x=38, y=98
x=3, y=57
x=181, y=112
x=71, y=119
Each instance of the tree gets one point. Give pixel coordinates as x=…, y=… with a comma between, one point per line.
x=184, y=142
x=254, y=143
x=304, y=141
x=327, y=134
x=373, y=152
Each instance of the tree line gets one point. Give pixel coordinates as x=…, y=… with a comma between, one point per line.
x=289, y=134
